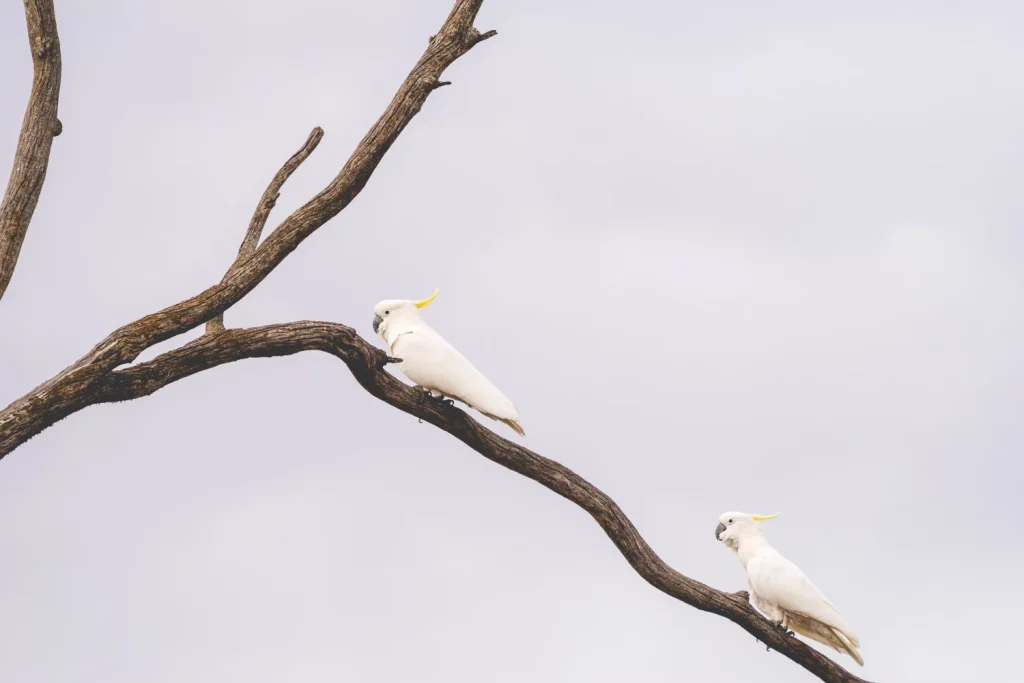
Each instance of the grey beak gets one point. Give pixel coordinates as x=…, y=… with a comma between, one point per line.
x=718, y=531
x=377, y=320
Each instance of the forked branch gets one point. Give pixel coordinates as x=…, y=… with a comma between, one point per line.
x=63, y=394
x=96, y=378
x=267, y=203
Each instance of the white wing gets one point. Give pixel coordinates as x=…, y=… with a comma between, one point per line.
x=431, y=362
x=780, y=582
x=767, y=608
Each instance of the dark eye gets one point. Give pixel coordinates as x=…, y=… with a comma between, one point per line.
x=730, y=521
x=386, y=312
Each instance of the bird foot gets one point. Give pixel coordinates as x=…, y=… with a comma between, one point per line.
x=436, y=396
x=387, y=360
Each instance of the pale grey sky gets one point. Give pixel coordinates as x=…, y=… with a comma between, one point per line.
x=720, y=256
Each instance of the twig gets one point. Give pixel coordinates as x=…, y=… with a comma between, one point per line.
x=39, y=127
x=263, y=209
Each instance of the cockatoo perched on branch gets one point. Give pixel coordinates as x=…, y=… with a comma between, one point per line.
x=434, y=365
x=780, y=590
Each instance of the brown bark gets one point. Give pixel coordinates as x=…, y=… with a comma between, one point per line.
x=96, y=377
x=263, y=209
x=60, y=395
x=39, y=128
x=366, y=362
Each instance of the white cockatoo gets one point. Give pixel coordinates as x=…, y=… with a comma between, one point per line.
x=434, y=365
x=780, y=590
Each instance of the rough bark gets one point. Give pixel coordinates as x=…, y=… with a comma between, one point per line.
x=60, y=395
x=263, y=209
x=39, y=128
x=96, y=377
x=366, y=363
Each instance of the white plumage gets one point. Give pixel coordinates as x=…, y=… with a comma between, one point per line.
x=780, y=590
x=435, y=365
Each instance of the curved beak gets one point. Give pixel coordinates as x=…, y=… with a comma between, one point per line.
x=377, y=320
x=718, y=531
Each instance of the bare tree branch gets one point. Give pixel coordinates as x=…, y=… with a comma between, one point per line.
x=38, y=130
x=27, y=416
x=366, y=363
x=95, y=378
x=263, y=209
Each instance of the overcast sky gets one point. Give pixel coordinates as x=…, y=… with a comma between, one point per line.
x=721, y=256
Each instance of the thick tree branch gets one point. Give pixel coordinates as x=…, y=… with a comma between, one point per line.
x=40, y=126
x=60, y=395
x=263, y=209
x=95, y=378
x=366, y=364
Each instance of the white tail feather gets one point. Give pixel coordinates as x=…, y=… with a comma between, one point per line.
x=824, y=634
x=511, y=423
